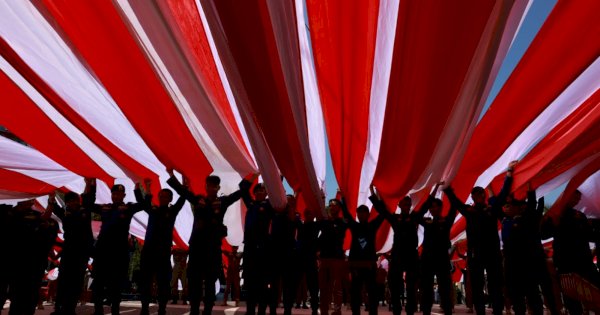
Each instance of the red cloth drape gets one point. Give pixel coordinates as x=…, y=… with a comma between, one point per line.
x=98, y=33
x=550, y=64
x=260, y=65
x=343, y=35
x=23, y=118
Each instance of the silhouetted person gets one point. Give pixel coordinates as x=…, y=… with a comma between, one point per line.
x=308, y=236
x=572, y=234
x=435, y=258
x=155, y=261
x=205, y=261
x=180, y=257
x=111, y=253
x=404, y=258
x=34, y=235
x=333, y=267
x=76, y=249
x=483, y=242
x=363, y=257
x=256, y=237
x=233, y=276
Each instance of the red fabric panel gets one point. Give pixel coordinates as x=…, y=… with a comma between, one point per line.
x=573, y=140
x=570, y=142
x=14, y=181
x=23, y=118
x=248, y=28
x=343, y=35
x=103, y=40
x=550, y=64
x=130, y=166
x=435, y=44
x=183, y=16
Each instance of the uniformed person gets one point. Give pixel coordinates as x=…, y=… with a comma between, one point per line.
x=155, y=262
x=77, y=248
x=308, y=236
x=6, y=215
x=111, y=253
x=34, y=235
x=233, y=276
x=205, y=261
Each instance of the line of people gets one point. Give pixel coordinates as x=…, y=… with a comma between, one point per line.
x=280, y=249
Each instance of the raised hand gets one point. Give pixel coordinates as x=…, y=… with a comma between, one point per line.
x=170, y=171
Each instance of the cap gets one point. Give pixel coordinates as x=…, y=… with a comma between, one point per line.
x=117, y=187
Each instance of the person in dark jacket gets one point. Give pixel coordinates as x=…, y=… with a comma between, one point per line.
x=483, y=242
x=363, y=257
x=155, y=259
x=77, y=248
x=404, y=258
x=308, y=236
x=256, y=236
x=524, y=257
x=435, y=258
x=572, y=233
x=332, y=257
x=205, y=254
x=111, y=253
x=34, y=235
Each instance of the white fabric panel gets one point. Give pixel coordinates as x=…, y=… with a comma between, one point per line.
x=185, y=88
x=382, y=67
x=314, y=112
x=229, y=177
x=590, y=195
x=564, y=177
x=565, y=104
x=86, y=145
x=481, y=74
x=29, y=34
x=30, y=162
x=262, y=153
x=285, y=28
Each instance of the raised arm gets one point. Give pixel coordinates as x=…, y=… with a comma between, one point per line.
x=499, y=200
x=380, y=207
x=179, y=188
x=456, y=203
x=245, y=192
x=55, y=207
x=89, y=195
x=144, y=201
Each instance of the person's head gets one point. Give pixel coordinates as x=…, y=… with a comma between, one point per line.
x=478, y=195
x=405, y=204
x=72, y=201
x=436, y=207
x=260, y=192
x=117, y=193
x=165, y=196
x=574, y=199
x=213, y=184
x=335, y=207
x=362, y=212
x=234, y=249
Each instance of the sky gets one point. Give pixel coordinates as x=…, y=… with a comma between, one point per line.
x=537, y=14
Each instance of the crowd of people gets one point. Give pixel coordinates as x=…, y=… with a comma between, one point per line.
x=283, y=249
